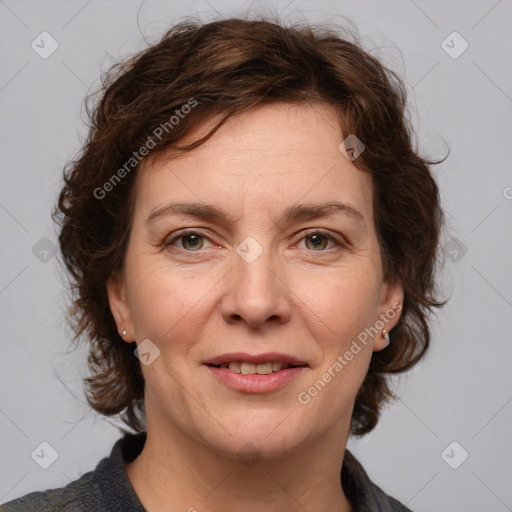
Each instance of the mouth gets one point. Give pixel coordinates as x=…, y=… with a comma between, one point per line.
x=256, y=374
x=255, y=364
x=246, y=368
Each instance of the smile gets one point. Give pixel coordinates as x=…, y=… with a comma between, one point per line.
x=252, y=369
x=253, y=381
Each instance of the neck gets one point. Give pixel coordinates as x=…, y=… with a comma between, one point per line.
x=176, y=472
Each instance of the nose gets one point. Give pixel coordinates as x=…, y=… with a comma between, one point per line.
x=257, y=294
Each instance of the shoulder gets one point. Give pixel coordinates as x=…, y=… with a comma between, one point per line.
x=365, y=495
x=104, y=489
x=78, y=496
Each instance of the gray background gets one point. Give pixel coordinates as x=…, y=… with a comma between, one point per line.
x=461, y=392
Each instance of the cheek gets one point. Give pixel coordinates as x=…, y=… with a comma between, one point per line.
x=338, y=304
x=167, y=304
x=335, y=317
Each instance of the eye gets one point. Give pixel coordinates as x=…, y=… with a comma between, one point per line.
x=191, y=241
x=318, y=241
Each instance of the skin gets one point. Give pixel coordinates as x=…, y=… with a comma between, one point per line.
x=307, y=299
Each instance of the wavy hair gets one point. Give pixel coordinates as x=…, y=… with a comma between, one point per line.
x=228, y=67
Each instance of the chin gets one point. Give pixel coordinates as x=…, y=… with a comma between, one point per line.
x=256, y=435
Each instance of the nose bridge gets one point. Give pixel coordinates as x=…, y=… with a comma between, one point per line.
x=253, y=268
x=256, y=294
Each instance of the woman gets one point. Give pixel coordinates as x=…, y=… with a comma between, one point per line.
x=252, y=240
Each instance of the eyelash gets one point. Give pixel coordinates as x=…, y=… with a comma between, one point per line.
x=183, y=234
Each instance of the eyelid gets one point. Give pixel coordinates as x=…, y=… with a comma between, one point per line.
x=337, y=239
x=169, y=240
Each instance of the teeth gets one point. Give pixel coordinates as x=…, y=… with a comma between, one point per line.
x=248, y=368
x=252, y=369
x=264, y=368
x=235, y=366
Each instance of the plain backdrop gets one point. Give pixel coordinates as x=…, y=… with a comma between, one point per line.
x=446, y=444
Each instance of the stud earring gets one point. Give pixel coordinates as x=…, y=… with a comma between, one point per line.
x=385, y=334
x=124, y=332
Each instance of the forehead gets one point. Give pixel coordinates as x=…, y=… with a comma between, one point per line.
x=271, y=157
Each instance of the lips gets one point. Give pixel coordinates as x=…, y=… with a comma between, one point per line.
x=258, y=359
x=255, y=369
x=249, y=380
x=255, y=373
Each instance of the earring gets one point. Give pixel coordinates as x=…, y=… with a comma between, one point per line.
x=385, y=334
x=124, y=332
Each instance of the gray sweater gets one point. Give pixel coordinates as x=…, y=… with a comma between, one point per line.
x=107, y=488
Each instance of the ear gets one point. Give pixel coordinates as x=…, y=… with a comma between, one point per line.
x=116, y=290
x=390, y=306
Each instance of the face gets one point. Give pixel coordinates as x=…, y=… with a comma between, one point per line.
x=241, y=263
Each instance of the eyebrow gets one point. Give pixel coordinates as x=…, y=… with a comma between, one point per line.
x=301, y=212
x=317, y=211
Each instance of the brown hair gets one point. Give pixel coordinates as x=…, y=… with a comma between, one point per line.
x=227, y=67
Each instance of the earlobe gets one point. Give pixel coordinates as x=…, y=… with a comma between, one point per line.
x=116, y=290
x=391, y=305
